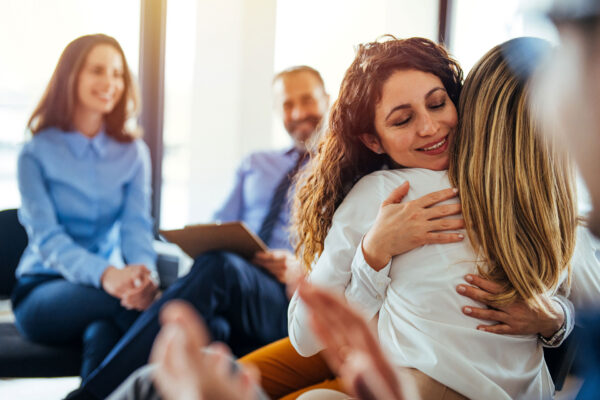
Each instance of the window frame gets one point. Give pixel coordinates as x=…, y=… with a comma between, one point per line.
x=152, y=89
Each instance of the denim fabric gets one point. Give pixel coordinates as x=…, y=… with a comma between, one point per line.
x=243, y=305
x=58, y=312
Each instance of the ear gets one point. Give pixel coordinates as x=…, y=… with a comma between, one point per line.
x=371, y=142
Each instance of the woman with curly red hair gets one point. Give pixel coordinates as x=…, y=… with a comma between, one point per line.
x=396, y=123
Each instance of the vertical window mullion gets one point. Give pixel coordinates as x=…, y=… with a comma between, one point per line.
x=152, y=78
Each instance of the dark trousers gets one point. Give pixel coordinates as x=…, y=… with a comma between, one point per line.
x=587, y=360
x=243, y=305
x=53, y=311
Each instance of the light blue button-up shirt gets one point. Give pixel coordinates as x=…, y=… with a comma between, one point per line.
x=255, y=182
x=85, y=205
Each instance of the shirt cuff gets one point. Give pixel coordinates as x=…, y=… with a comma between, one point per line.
x=565, y=330
x=367, y=286
x=93, y=275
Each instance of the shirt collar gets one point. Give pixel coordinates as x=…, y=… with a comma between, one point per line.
x=295, y=152
x=100, y=143
x=291, y=151
x=79, y=143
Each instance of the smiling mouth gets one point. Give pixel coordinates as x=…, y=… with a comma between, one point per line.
x=105, y=97
x=435, y=146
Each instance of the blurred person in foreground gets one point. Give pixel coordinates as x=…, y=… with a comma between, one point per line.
x=568, y=96
x=186, y=371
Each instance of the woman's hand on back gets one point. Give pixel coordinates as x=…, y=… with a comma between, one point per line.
x=516, y=318
x=401, y=227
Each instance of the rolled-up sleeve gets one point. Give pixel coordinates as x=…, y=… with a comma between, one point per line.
x=569, y=322
x=47, y=238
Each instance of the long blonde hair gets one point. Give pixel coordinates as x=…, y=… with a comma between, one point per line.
x=341, y=158
x=515, y=185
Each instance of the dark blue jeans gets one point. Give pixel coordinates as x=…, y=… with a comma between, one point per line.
x=53, y=311
x=243, y=306
x=587, y=360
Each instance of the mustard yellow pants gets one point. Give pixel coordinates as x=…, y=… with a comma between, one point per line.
x=285, y=374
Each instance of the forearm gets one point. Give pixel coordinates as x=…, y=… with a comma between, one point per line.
x=137, y=234
x=48, y=239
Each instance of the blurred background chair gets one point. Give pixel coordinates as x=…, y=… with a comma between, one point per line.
x=18, y=356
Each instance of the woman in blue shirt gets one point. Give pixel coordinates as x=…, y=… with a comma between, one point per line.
x=84, y=180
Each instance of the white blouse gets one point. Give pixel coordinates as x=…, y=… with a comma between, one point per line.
x=421, y=324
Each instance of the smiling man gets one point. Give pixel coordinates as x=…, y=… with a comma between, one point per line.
x=301, y=100
x=243, y=303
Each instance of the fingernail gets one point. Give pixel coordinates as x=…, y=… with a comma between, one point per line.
x=461, y=289
x=481, y=328
x=460, y=235
x=468, y=278
x=467, y=310
x=455, y=190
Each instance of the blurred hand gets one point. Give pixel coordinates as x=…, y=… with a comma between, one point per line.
x=187, y=372
x=280, y=263
x=141, y=296
x=516, y=318
x=132, y=284
x=352, y=349
x=362, y=378
x=401, y=227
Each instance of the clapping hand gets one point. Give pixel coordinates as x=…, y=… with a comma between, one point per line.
x=351, y=348
x=189, y=370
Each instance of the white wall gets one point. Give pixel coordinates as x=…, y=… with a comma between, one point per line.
x=324, y=33
x=231, y=95
x=239, y=45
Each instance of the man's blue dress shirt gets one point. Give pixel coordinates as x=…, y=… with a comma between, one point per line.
x=255, y=182
x=85, y=205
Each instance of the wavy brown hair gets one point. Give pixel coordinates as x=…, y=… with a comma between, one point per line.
x=517, y=197
x=341, y=158
x=57, y=105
